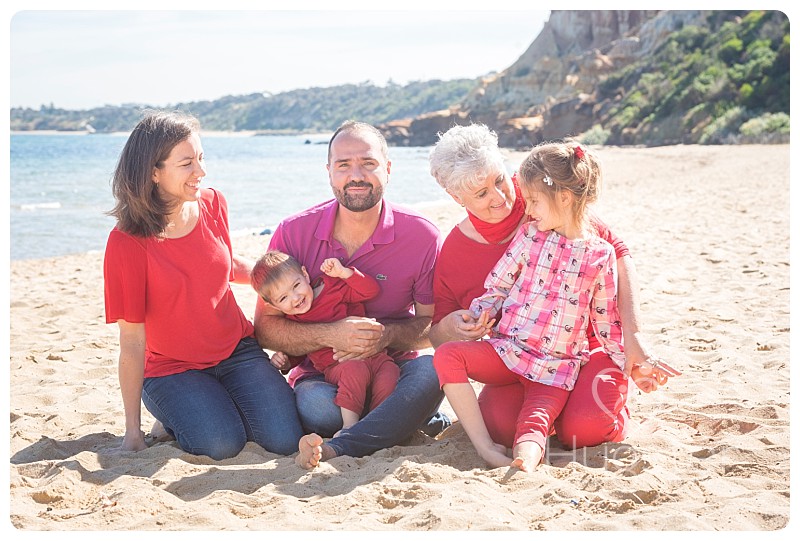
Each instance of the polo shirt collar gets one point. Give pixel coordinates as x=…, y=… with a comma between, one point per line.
x=383, y=234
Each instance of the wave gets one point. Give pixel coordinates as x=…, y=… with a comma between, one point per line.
x=252, y=231
x=37, y=206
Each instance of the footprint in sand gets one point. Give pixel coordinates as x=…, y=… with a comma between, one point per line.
x=400, y=497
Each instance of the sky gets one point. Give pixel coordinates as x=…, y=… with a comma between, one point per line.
x=160, y=54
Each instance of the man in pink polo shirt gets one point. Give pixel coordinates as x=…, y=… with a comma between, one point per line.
x=396, y=246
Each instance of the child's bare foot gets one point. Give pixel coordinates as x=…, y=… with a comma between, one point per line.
x=495, y=455
x=310, y=454
x=527, y=456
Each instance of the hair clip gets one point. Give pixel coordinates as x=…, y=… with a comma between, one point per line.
x=579, y=152
x=547, y=180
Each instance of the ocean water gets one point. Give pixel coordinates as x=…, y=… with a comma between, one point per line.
x=61, y=185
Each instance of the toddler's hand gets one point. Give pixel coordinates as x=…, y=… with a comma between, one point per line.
x=280, y=361
x=334, y=268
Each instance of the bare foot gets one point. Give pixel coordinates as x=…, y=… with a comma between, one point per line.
x=527, y=456
x=310, y=454
x=159, y=433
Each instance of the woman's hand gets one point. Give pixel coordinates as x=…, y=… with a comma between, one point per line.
x=647, y=371
x=651, y=373
x=463, y=325
x=133, y=441
x=131, y=376
x=637, y=351
x=357, y=338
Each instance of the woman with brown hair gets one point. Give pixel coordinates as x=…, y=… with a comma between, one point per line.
x=186, y=349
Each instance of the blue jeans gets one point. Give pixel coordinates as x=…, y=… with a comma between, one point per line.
x=413, y=405
x=215, y=411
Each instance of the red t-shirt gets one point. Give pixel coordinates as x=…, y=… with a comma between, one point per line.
x=180, y=289
x=463, y=265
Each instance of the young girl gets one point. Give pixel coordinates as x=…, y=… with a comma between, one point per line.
x=555, y=275
x=282, y=282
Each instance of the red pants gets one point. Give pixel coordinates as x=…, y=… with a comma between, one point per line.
x=378, y=374
x=594, y=413
x=539, y=405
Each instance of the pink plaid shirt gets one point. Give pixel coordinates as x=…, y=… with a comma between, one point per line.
x=547, y=286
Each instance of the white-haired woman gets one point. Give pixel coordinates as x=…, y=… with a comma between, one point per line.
x=468, y=163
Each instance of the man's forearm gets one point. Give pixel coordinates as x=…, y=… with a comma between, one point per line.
x=277, y=333
x=408, y=334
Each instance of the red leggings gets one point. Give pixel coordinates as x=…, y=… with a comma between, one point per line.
x=539, y=404
x=378, y=374
x=594, y=413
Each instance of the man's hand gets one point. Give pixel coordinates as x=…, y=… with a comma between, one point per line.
x=358, y=338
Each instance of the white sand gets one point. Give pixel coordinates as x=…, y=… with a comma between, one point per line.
x=709, y=230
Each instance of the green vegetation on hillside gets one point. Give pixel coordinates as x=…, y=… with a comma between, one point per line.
x=727, y=82
x=311, y=109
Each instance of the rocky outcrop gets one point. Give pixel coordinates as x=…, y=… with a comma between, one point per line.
x=550, y=91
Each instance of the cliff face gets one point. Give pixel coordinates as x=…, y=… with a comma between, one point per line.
x=549, y=92
x=563, y=61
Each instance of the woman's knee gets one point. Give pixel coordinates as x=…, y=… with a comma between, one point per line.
x=215, y=444
x=282, y=443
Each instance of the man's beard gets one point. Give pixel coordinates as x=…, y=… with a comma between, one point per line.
x=359, y=203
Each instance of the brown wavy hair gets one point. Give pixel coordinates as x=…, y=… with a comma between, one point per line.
x=140, y=210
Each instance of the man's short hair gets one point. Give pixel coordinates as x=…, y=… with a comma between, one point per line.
x=354, y=126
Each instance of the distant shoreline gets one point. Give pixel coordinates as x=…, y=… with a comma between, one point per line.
x=443, y=212
x=214, y=133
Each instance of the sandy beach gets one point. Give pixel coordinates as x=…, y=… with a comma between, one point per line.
x=709, y=231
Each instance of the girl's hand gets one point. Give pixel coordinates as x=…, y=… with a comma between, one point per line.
x=280, y=361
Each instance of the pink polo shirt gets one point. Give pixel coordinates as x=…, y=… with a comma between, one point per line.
x=400, y=255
